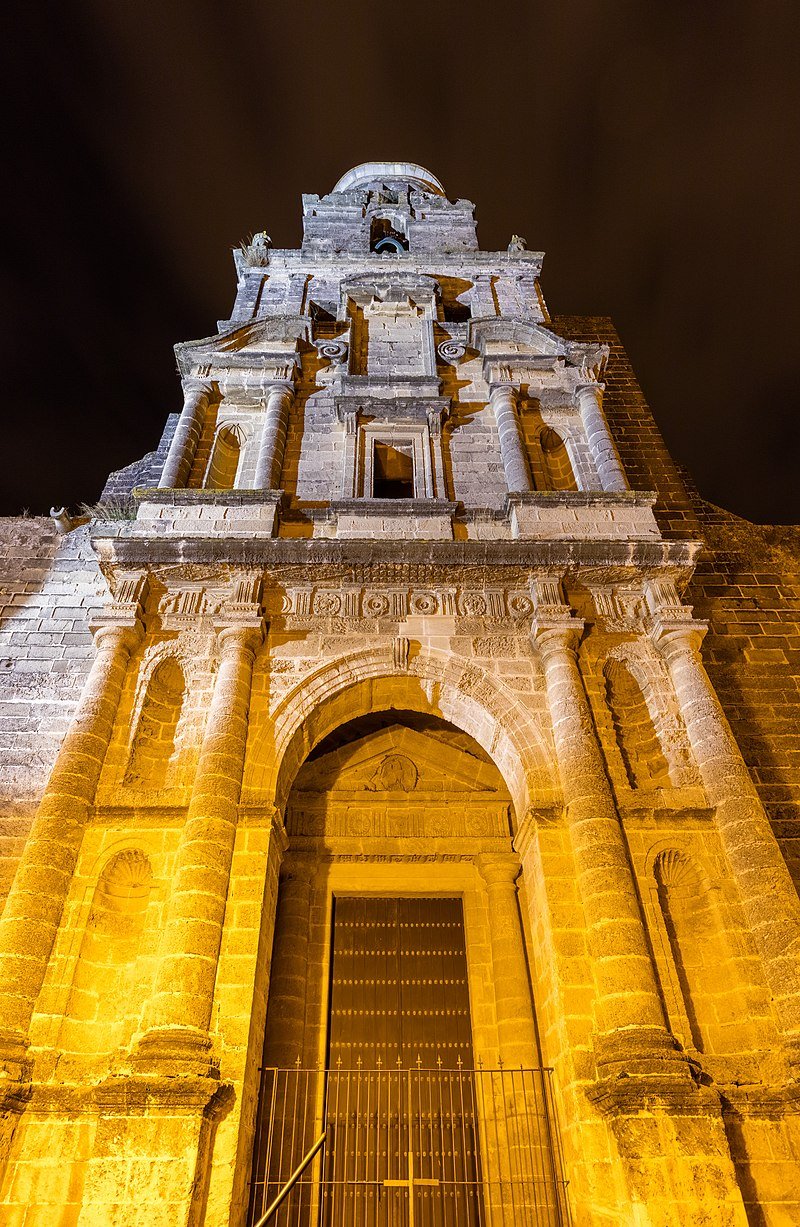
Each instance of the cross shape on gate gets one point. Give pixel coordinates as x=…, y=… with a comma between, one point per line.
x=410, y=1183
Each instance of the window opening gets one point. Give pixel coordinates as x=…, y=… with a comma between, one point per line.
x=392, y=471
x=456, y=312
x=385, y=239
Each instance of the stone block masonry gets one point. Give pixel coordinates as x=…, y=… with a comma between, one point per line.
x=409, y=603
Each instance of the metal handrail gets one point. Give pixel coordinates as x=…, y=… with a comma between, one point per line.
x=291, y=1182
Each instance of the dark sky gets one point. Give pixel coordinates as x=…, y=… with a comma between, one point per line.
x=651, y=149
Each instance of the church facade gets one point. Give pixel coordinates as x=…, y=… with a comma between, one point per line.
x=401, y=778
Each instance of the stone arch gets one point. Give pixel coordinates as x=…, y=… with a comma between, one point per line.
x=223, y=465
x=158, y=712
x=106, y=992
x=647, y=729
x=436, y=684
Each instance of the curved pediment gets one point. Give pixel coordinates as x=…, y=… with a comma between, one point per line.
x=495, y=333
x=258, y=339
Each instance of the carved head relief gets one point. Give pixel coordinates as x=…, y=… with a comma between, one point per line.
x=396, y=773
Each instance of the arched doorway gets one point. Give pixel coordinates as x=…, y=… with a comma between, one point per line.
x=400, y=1018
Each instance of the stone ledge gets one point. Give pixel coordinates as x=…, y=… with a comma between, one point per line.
x=375, y=518
x=190, y=497
x=582, y=515
x=208, y=512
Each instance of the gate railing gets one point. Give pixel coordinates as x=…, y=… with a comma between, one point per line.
x=409, y=1148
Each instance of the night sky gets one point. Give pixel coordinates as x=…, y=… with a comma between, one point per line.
x=651, y=149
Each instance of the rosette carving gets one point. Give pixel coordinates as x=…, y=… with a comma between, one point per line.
x=327, y=603
x=376, y=604
x=424, y=603
x=519, y=605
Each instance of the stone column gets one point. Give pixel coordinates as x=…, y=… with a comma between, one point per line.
x=180, y=457
x=604, y=452
x=284, y=1041
x=515, y=1025
x=178, y=1015
x=273, y=437
x=630, y=1019
x=767, y=892
x=512, y=448
x=36, y=900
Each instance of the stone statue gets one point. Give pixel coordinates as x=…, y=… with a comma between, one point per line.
x=518, y=243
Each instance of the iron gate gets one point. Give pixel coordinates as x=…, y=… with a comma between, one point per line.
x=410, y=1148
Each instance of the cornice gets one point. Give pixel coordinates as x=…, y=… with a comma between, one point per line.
x=299, y=260
x=513, y=560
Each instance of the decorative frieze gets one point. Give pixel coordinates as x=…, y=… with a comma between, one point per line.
x=395, y=603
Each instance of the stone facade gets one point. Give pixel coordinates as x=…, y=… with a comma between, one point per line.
x=410, y=599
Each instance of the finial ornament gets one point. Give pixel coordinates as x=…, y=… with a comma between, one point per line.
x=518, y=243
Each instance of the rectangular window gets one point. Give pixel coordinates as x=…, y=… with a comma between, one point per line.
x=393, y=470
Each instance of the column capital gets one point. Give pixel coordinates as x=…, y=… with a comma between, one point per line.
x=270, y=386
x=593, y=386
x=300, y=865
x=240, y=637
x=676, y=636
x=557, y=637
x=125, y=612
x=197, y=386
x=553, y=626
x=499, y=868
x=111, y=634
x=504, y=391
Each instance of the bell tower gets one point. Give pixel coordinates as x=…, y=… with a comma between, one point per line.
x=399, y=835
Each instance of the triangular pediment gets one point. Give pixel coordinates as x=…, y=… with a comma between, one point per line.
x=399, y=761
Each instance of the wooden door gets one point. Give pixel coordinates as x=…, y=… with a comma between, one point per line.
x=402, y=1132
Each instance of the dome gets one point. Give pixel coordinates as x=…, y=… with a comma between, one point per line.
x=408, y=172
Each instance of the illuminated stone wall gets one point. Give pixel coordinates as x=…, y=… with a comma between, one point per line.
x=567, y=767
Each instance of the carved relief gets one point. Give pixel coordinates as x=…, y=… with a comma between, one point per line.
x=327, y=604
x=451, y=351
x=183, y=609
x=398, y=603
x=520, y=605
x=375, y=604
x=619, y=609
x=424, y=603
x=397, y=773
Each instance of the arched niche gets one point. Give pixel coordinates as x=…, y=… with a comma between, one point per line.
x=107, y=993
x=637, y=738
x=716, y=1004
x=474, y=702
x=558, y=469
x=154, y=743
x=388, y=234
x=225, y=455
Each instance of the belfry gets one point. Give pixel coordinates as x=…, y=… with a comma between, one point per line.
x=378, y=842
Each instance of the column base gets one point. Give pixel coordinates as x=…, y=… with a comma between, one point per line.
x=640, y=1052
x=153, y=1147
x=791, y=1046
x=15, y=1066
x=673, y=1151
x=172, y=1051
